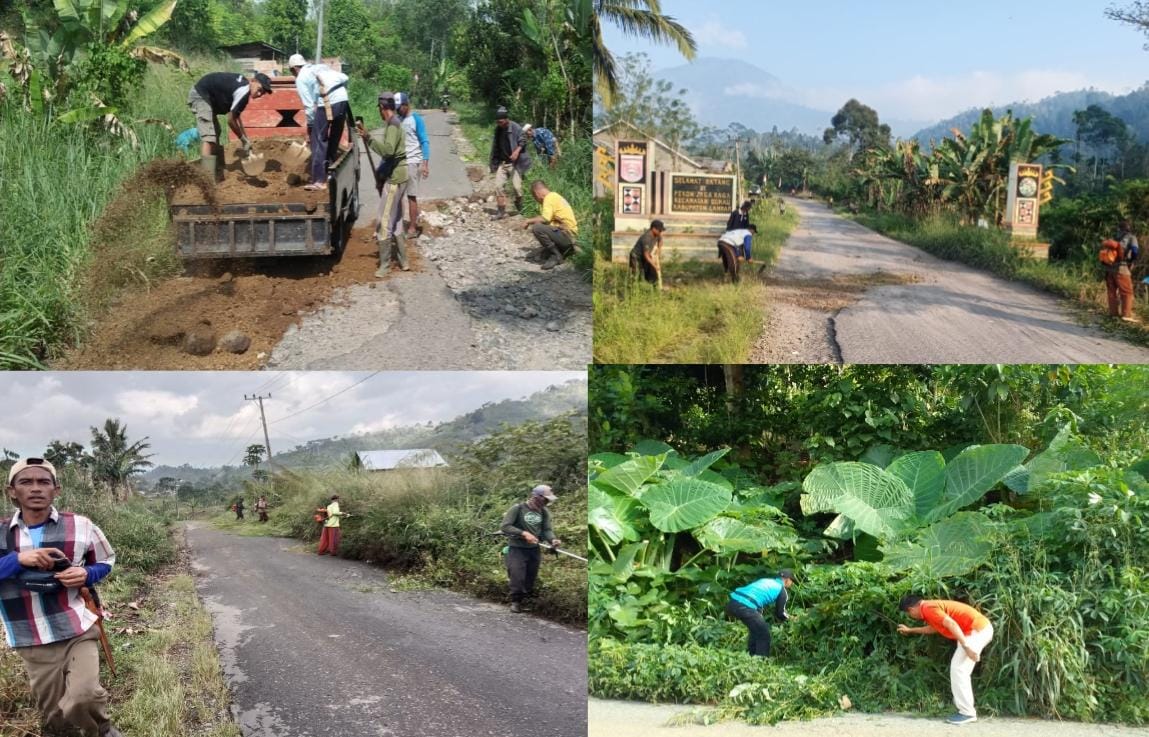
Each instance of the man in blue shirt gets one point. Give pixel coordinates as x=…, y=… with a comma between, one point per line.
x=418, y=158
x=546, y=144
x=747, y=603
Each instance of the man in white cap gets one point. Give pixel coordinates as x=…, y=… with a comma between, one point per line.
x=418, y=157
x=323, y=92
x=48, y=560
x=525, y=524
x=546, y=144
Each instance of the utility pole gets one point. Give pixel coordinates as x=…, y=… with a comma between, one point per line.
x=263, y=419
x=319, y=38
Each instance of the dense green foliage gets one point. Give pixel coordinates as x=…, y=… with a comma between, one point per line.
x=1047, y=548
x=438, y=524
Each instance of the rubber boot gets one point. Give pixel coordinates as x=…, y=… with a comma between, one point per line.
x=384, y=261
x=555, y=259
x=209, y=164
x=500, y=213
x=401, y=250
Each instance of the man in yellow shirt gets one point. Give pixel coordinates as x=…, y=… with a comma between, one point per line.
x=555, y=227
x=329, y=538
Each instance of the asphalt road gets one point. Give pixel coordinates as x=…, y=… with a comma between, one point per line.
x=942, y=312
x=317, y=646
x=448, y=173
x=629, y=719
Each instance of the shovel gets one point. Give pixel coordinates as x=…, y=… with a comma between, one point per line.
x=298, y=154
x=253, y=164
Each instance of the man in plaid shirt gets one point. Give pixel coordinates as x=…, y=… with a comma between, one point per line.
x=52, y=630
x=545, y=143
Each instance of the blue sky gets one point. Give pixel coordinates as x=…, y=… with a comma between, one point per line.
x=916, y=60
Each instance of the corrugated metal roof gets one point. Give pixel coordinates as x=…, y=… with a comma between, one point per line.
x=385, y=460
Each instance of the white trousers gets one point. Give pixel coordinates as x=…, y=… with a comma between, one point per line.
x=961, y=668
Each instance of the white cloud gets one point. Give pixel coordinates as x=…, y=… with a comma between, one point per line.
x=713, y=33
x=153, y=404
x=937, y=98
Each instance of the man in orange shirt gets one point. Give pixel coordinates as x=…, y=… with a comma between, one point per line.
x=963, y=624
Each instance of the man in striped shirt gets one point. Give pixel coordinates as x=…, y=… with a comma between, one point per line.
x=47, y=621
x=965, y=625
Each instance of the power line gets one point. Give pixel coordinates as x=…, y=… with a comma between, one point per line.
x=325, y=399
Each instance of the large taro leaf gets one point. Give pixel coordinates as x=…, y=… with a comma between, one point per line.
x=1065, y=453
x=974, y=471
x=608, y=460
x=684, y=503
x=842, y=528
x=653, y=448
x=728, y=535
x=880, y=455
x=698, y=465
x=951, y=547
x=876, y=502
x=629, y=477
x=624, y=564
x=924, y=473
x=614, y=517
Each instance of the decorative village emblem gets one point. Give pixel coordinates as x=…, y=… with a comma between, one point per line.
x=632, y=161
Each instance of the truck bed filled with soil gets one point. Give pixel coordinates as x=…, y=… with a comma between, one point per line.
x=281, y=181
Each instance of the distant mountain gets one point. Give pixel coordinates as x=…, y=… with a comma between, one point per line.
x=1054, y=115
x=725, y=91
x=446, y=437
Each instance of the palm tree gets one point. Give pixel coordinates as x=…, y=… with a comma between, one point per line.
x=638, y=19
x=114, y=460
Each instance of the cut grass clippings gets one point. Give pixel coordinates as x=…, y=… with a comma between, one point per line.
x=697, y=318
x=990, y=250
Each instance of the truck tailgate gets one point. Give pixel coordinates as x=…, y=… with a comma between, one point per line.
x=249, y=230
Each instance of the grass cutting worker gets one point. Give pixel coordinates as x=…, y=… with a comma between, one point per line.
x=555, y=227
x=644, y=255
x=48, y=621
x=734, y=245
x=747, y=603
x=330, y=536
x=223, y=93
x=963, y=624
x=525, y=524
x=392, y=175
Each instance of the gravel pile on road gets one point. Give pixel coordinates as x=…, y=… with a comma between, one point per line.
x=523, y=317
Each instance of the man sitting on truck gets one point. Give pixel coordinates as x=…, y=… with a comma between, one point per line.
x=323, y=92
x=218, y=93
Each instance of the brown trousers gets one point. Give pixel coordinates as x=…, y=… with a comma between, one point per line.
x=1119, y=286
x=65, y=681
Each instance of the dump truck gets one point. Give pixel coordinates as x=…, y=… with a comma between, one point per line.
x=296, y=223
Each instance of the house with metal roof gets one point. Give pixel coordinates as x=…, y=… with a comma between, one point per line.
x=392, y=460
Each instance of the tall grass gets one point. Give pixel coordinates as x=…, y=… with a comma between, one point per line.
x=699, y=318
x=990, y=249
x=55, y=181
x=432, y=524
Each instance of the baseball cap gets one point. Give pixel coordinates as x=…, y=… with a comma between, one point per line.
x=24, y=463
x=786, y=573
x=528, y=127
x=296, y=60
x=402, y=98
x=264, y=81
x=501, y=113
x=387, y=98
x=544, y=491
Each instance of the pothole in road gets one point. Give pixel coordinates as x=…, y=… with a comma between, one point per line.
x=832, y=294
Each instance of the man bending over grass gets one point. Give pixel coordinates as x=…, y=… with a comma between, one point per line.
x=963, y=624
x=644, y=257
x=48, y=559
x=734, y=245
x=747, y=603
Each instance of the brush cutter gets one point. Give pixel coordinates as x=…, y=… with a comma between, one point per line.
x=552, y=548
